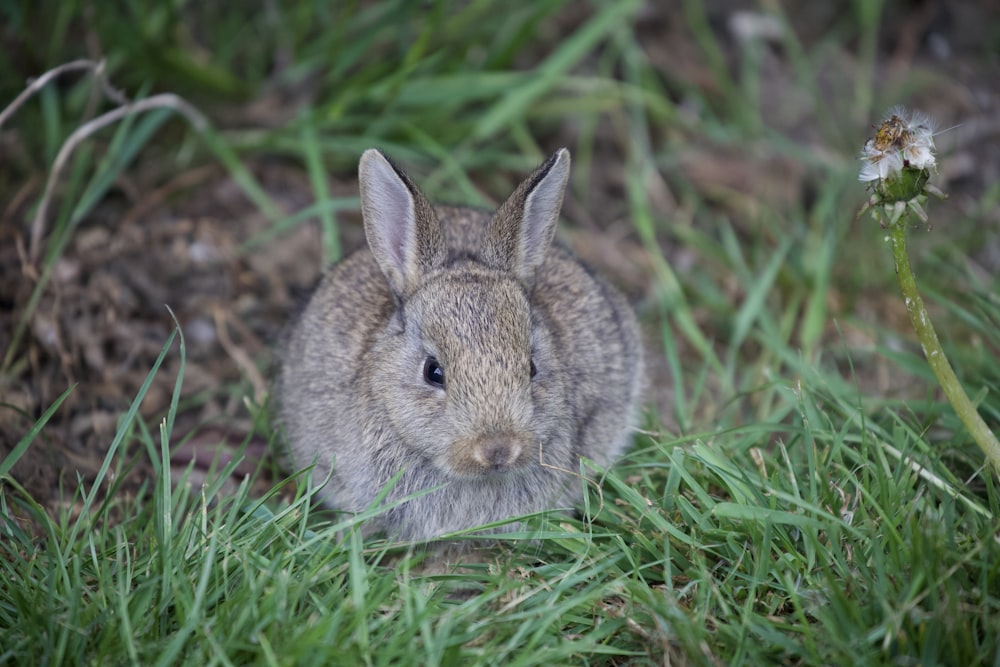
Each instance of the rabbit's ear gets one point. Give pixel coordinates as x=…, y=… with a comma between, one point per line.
x=521, y=231
x=403, y=233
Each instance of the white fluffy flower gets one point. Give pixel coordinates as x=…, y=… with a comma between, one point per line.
x=903, y=140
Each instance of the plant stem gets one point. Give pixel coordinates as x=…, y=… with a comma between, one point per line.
x=921, y=322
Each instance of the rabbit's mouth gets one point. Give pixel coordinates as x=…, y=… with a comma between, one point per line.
x=491, y=454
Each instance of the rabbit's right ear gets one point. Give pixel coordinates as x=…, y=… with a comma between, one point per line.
x=403, y=233
x=521, y=231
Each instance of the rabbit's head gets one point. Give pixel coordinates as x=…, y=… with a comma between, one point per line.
x=465, y=368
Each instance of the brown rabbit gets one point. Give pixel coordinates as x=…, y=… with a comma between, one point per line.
x=462, y=352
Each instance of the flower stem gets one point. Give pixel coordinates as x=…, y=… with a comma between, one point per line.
x=921, y=322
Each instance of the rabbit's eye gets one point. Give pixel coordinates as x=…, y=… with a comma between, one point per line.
x=534, y=371
x=433, y=373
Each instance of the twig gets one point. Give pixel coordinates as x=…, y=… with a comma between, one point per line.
x=239, y=356
x=156, y=198
x=586, y=480
x=35, y=85
x=933, y=479
x=162, y=101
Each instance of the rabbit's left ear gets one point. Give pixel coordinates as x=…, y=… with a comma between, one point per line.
x=403, y=233
x=521, y=231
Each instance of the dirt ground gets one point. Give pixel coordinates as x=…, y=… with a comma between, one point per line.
x=167, y=245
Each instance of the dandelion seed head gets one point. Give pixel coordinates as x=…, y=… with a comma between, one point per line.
x=897, y=161
x=879, y=163
x=904, y=139
x=892, y=133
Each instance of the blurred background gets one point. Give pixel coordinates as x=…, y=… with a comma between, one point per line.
x=715, y=149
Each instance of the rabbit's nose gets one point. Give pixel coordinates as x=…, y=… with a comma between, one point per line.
x=497, y=452
x=490, y=453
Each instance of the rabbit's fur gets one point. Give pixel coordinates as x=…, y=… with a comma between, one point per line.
x=541, y=361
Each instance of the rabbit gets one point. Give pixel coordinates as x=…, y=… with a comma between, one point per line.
x=463, y=356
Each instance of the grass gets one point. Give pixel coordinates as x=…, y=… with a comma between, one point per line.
x=783, y=508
